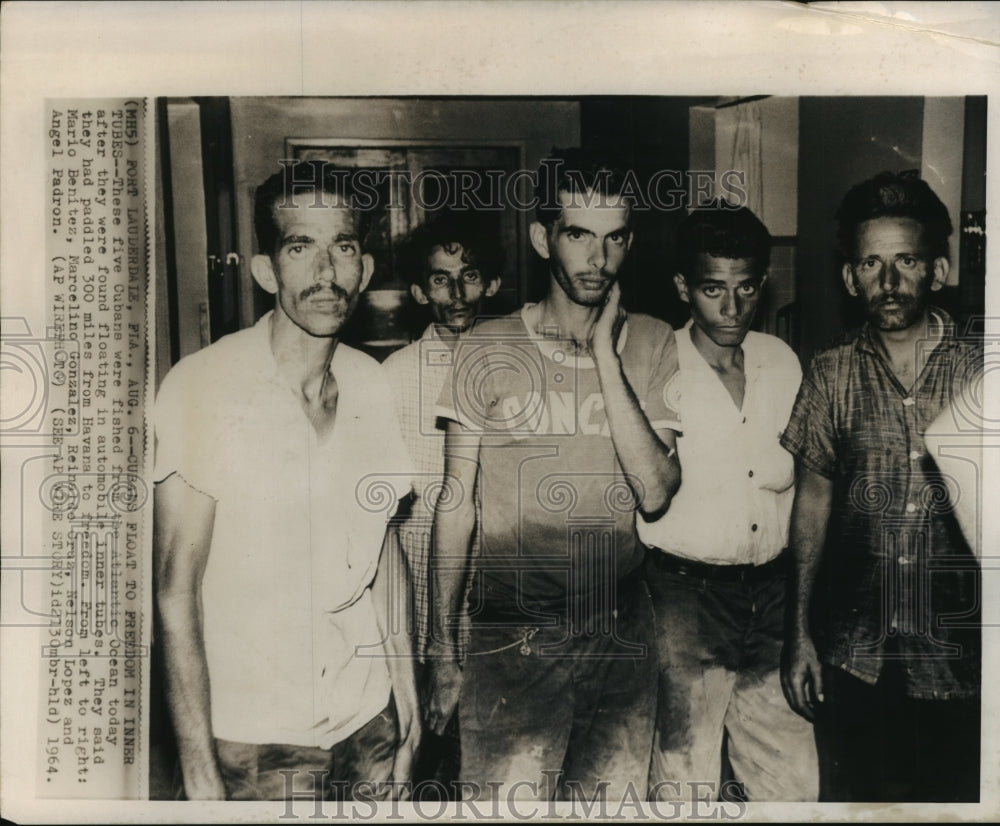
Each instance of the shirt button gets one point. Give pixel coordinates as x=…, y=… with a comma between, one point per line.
x=751, y=474
x=910, y=507
x=908, y=402
x=753, y=527
x=914, y=454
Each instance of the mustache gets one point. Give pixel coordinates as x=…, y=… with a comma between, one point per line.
x=336, y=289
x=898, y=299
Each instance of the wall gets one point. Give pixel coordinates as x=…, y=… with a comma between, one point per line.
x=261, y=125
x=843, y=141
x=646, y=134
x=779, y=118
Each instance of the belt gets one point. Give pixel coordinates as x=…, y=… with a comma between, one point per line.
x=493, y=611
x=664, y=561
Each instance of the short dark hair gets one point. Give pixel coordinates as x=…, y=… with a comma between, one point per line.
x=893, y=195
x=304, y=176
x=725, y=231
x=575, y=171
x=479, y=243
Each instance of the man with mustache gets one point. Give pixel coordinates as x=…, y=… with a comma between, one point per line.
x=556, y=417
x=884, y=647
x=275, y=447
x=453, y=265
x=717, y=567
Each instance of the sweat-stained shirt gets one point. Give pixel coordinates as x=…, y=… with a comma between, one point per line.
x=558, y=515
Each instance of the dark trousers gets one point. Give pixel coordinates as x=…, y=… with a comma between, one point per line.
x=556, y=710
x=720, y=632
x=877, y=744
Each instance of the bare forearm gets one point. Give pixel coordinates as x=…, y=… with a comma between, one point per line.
x=454, y=524
x=642, y=453
x=810, y=515
x=449, y=563
x=183, y=523
x=393, y=597
x=187, y=684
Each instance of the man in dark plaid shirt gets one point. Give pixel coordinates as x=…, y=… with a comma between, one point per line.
x=884, y=650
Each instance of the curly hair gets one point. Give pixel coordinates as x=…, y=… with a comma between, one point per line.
x=893, y=195
x=447, y=228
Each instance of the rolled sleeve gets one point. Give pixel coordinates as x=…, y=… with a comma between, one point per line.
x=662, y=402
x=810, y=434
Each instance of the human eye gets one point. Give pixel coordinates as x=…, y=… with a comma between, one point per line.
x=748, y=289
x=574, y=234
x=296, y=251
x=868, y=264
x=472, y=276
x=908, y=261
x=346, y=248
x=711, y=290
x=617, y=238
x=438, y=280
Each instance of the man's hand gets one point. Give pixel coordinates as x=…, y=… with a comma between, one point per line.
x=604, y=333
x=801, y=675
x=408, y=720
x=444, y=677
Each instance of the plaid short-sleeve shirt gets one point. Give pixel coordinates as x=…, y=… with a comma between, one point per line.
x=896, y=579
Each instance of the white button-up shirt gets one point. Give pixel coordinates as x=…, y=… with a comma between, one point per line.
x=293, y=648
x=735, y=498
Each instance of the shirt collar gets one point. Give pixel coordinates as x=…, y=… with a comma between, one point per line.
x=549, y=346
x=265, y=356
x=750, y=354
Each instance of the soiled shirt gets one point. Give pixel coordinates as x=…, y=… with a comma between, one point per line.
x=293, y=647
x=558, y=514
x=736, y=491
x=896, y=578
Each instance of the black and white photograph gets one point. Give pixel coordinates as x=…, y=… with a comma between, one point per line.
x=409, y=445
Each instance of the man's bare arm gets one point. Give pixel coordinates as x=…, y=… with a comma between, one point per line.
x=454, y=523
x=801, y=677
x=392, y=596
x=183, y=521
x=644, y=454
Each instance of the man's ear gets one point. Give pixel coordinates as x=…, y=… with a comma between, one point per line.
x=941, y=269
x=263, y=273
x=847, y=272
x=418, y=294
x=539, y=235
x=682, y=288
x=367, y=270
x=492, y=287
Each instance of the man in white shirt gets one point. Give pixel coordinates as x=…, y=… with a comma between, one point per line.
x=717, y=568
x=453, y=265
x=276, y=447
